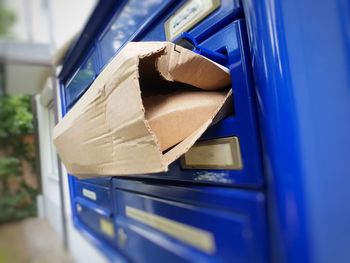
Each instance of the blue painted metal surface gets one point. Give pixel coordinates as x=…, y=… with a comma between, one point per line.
x=87, y=221
x=236, y=219
x=227, y=12
x=92, y=219
x=300, y=52
x=108, y=250
x=93, y=193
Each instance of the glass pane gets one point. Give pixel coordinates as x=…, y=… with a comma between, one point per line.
x=132, y=16
x=80, y=82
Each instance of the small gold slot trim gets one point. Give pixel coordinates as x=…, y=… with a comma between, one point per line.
x=223, y=153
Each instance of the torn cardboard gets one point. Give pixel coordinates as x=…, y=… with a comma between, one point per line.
x=146, y=108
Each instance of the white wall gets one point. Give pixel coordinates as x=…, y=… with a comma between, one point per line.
x=68, y=18
x=39, y=36
x=51, y=197
x=49, y=21
x=25, y=79
x=31, y=23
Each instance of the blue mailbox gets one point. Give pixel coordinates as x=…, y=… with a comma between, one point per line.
x=289, y=127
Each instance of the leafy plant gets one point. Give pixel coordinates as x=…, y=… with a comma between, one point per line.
x=15, y=123
x=9, y=167
x=15, y=116
x=18, y=206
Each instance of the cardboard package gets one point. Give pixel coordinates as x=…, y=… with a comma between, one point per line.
x=146, y=108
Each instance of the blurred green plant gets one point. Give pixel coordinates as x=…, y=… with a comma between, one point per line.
x=17, y=206
x=7, y=19
x=9, y=167
x=15, y=124
x=16, y=120
x=15, y=116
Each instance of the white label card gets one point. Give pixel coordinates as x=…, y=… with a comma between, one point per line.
x=188, y=16
x=89, y=194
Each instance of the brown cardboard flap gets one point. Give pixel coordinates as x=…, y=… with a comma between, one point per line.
x=222, y=110
x=181, y=66
x=150, y=97
x=183, y=111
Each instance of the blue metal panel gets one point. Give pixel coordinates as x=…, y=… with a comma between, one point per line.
x=236, y=219
x=101, y=196
x=300, y=52
x=224, y=15
x=102, y=181
x=108, y=251
x=92, y=219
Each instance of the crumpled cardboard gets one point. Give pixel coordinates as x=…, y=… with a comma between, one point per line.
x=146, y=108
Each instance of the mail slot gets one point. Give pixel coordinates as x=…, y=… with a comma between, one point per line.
x=101, y=224
x=177, y=223
x=94, y=194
